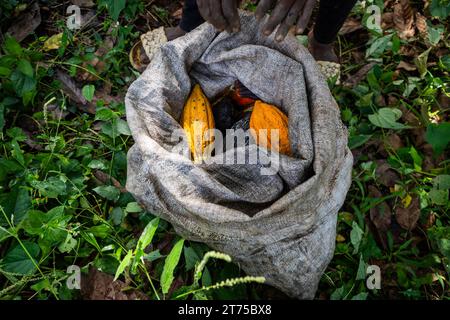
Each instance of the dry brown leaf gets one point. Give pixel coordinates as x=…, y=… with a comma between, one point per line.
x=404, y=19
x=83, y=3
x=406, y=66
x=72, y=90
x=381, y=214
x=421, y=25
x=385, y=174
x=350, y=25
x=177, y=14
x=106, y=179
x=387, y=20
x=394, y=141
x=407, y=217
x=409, y=51
x=101, y=286
x=353, y=80
x=26, y=22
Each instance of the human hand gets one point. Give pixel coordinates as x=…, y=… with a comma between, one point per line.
x=222, y=14
x=286, y=14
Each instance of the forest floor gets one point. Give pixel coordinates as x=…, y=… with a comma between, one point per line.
x=64, y=141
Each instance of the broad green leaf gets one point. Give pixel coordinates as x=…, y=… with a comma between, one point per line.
x=153, y=256
x=125, y=263
x=108, y=192
x=358, y=140
x=133, y=207
x=439, y=197
x=51, y=188
x=25, y=67
x=360, y=296
x=435, y=34
x=442, y=182
x=97, y=164
x=169, y=266
x=356, y=236
x=387, y=118
x=104, y=114
x=115, y=7
x=22, y=83
x=18, y=261
x=117, y=216
x=440, y=8
x=438, y=135
x=361, y=273
x=122, y=127
x=191, y=258
x=378, y=46
x=88, y=92
x=11, y=46
x=68, y=245
x=147, y=235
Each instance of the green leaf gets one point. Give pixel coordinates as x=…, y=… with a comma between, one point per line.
x=18, y=261
x=97, y=164
x=5, y=72
x=442, y=182
x=421, y=61
x=104, y=114
x=117, y=216
x=378, y=46
x=440, y=8
x=115, y=7
x=11, y=46
x=133, y=207
x=51, y=188
x=435, y=34
x=169, y=266
x=191, y=258
x=358, y=140
x=439, y=197
x=108, y=192
x=361, y=273
x=360, y=296
x=88, y=92
x=68, y=245
x=22, y=83
x=125, y=263
x=25, y=67
x=438, y=135
x=387, y=118
x=122, y=127
x=356, y=236
x=147, y=235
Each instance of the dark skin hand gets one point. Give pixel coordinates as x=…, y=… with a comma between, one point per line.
x=286, y=14
x=222, y=14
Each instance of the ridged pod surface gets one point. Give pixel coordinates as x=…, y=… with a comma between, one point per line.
x=196, y=120
x=268, y=117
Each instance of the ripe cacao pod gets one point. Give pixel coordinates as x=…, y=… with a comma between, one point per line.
x=268, y=117
x=196, y=120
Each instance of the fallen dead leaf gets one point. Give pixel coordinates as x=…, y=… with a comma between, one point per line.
x=381, y=214
x=26, y=22
x=385, y=174
x=404, y=19
x=355, y=79
x=98, y=285
x=407, y=217
x=394, y=141
x=387, y=20
x=350, y=25
x=406, y=66
x=72, y=90
x=105, y=178
x=83, y=3
x=421, y=25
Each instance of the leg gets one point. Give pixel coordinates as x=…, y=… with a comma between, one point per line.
x=190, y=20
x=331, y=17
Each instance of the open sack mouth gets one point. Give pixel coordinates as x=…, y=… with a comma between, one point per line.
x=279, y=225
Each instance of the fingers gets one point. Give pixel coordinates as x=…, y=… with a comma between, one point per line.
x=211, y=11
x=279, y=13
x=290, y=21
x=263, y=7
x=305, y=16
x=230, y=11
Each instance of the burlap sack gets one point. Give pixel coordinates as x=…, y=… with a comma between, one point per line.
x=280, y=226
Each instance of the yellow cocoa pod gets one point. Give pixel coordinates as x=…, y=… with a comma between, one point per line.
x=264, y=119
x=196, y=120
